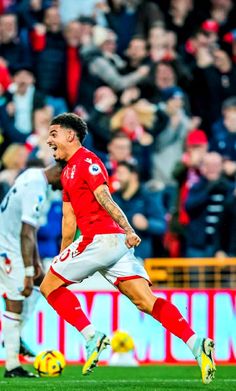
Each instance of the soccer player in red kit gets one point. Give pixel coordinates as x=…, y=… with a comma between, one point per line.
x=106, y=245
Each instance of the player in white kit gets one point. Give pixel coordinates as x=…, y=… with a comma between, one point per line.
x=19, y=260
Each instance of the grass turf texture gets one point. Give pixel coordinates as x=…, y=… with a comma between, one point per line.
x=166, y=378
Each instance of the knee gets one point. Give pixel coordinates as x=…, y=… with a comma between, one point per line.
x=143, y=305
x=49, y=284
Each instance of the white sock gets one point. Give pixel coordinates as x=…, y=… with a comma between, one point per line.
x=88, y=332
x=193, y=343
x=11, y=332
x=29, y=305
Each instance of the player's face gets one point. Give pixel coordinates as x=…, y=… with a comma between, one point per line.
x=58, y=142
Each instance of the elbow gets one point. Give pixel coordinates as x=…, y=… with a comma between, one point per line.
x=117, y=86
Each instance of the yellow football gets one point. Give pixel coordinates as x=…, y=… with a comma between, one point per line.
x=49, y=363
x=122, y=342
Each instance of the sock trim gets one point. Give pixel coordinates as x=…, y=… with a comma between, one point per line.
x=12, y=316
x=88, y=332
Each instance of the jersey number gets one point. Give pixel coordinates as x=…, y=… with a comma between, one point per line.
x=5, y=201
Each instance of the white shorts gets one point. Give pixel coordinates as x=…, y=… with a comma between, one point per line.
x=12, y=274
x=107, y=254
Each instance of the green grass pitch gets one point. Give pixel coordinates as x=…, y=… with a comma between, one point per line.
x=166, y=378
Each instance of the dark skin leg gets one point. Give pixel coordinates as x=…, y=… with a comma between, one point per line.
x=14, y=306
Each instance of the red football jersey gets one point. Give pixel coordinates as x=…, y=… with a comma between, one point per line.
x=83, y=173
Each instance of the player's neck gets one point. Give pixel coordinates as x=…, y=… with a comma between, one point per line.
x=72, y=151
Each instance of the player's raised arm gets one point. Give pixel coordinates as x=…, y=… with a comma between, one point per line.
x=68, y=225
x=104, y=198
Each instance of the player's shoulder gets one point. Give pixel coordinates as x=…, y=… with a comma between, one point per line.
x=31, y=177
x=92, y=163
x=32, y=173
x=90, y=157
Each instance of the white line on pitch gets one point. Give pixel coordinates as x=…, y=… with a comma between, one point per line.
x=43, y=381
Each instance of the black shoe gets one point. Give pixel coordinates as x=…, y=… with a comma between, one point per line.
x=25, y=350
x=19, y=372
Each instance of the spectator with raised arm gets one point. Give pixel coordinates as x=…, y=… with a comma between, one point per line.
x=136, y=54
x=102, y=66
x=169, y=143
x=100, y=117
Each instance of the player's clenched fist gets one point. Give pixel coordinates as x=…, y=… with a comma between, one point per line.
x=132, y=239
x=28, y=286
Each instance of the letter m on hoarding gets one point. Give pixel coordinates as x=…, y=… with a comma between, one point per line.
x=148, y=334
x=225, y=325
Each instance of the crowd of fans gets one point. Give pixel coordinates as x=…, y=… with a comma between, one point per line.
x=156, y=82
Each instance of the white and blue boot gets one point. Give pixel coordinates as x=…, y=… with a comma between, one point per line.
x=94, y=348
x=203, y=352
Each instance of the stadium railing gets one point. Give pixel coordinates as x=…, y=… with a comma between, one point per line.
x=192, y=272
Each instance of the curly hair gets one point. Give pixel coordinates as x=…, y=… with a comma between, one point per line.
x=72, y=121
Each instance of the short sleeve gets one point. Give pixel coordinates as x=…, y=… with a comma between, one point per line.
x=32, y=204
x=95, y=174
x=65, y=196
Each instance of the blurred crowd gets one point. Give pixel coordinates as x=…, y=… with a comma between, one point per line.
x=156, y=82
